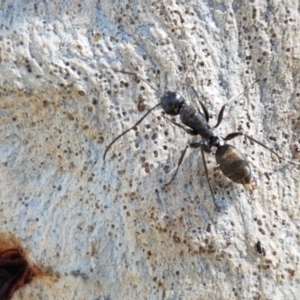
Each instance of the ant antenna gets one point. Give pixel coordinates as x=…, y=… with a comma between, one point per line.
x=124, y=132
x=221, y=113
x=205, y=168
x=139, y=121
x=206, y=173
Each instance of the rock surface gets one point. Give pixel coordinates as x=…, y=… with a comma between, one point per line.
x=108, y=229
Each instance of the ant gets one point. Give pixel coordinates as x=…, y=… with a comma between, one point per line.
x=231, y=161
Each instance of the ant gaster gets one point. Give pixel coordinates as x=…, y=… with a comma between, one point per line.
x=231, y=161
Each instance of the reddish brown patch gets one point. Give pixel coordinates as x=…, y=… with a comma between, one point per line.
x=15, y=268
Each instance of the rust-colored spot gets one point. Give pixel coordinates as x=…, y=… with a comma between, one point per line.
x=176, y=238
x=96, y=37
x=141, y=104
x=291, y=272
x=93, y=248
x=15, y=268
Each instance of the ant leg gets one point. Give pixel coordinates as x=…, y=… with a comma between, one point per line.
x=221, y=113
x=220, y=116
x=203, y=144
x=206, y=174
x=178, y=165
x=204, y=110
x=263, y=145
x=232, y=135
x=124, y=132
x=206, y=114
x=235, y=134
x=197, y=145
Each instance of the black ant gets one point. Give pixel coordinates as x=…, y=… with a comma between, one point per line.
x=231, y=161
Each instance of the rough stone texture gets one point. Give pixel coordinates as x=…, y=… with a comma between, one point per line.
x=109, y=230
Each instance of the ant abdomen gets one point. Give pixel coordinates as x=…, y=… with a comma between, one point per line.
x=233, y=164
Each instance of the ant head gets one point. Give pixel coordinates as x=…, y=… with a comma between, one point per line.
x=172, y=103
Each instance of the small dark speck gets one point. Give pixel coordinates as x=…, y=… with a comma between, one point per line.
x=77, y=273
x=166, y=169
x=70, y=116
